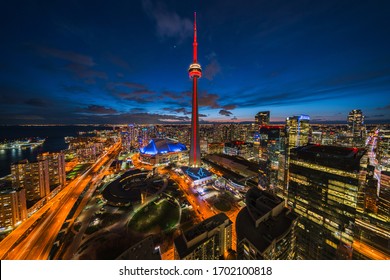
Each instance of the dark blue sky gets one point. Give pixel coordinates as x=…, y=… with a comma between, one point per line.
x=126, y=61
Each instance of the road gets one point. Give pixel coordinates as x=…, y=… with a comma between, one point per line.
x=369, y=251
x=36, y=244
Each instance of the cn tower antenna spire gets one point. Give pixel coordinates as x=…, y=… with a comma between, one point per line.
x=195, y=44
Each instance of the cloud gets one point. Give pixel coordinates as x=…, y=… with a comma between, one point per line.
x=229, y=107
x=202, y=116
x=374, y=116
x=68, y=56
x=234, y=118
x=212, y=69
x=36, y=102
x=209, y=100
x=225, y=113
x=74, y=89
x=178, y=110
x=385, y=108
x=101, y=110
x=169, y=24
x=116, y=60
x=176, y=95
x=87, y=74
x=137, y=110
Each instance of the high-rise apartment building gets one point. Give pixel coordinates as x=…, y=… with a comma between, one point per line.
x=265, y=228
x=209, y=240
x=12, y=206
x=323, y=189
x=33, y=177
x=56, y=165
x=262, y=118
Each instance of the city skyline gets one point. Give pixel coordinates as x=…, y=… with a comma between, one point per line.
x=70, y=63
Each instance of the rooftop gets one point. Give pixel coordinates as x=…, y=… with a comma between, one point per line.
x=196, y=173
x=260, y=202
x=344, y=158
x=205, y=226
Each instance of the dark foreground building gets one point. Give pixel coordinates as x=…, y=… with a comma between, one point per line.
x=265, y=228
x=209, y=240
x=324, y=185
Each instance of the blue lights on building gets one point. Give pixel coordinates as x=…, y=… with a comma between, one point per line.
x=304, y=117
x=162, y=146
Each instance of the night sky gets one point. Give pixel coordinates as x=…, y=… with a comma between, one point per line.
x=126, y=61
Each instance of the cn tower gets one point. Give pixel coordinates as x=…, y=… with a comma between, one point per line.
x=195, y=72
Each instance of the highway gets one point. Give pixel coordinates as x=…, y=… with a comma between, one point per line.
x=26, y=244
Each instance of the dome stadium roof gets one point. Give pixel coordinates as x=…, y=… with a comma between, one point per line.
x=162, y=146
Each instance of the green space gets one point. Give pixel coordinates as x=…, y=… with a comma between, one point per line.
x=159, y=215
x=78, y=169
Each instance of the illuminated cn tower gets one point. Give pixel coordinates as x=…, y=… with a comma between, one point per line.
x=195, y=72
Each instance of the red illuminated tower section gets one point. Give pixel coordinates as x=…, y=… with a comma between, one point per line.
x=195, y=72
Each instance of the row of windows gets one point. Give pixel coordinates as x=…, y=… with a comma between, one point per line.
x=325, y=169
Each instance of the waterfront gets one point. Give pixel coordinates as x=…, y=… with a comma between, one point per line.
x=54, y=141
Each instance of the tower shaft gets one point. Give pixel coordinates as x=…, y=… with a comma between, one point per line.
x=194, y=159
x=195, y=72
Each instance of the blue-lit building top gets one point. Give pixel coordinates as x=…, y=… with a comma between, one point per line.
x=197, y=175
x=162, y=146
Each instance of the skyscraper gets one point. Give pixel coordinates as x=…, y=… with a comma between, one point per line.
x=324, y=185
x=195, y=72
x=262, y=118
x=297, y=130
x=355, y=122
x=209, y=240
x=272, y=145
x=297, y=134
x=265, y=228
